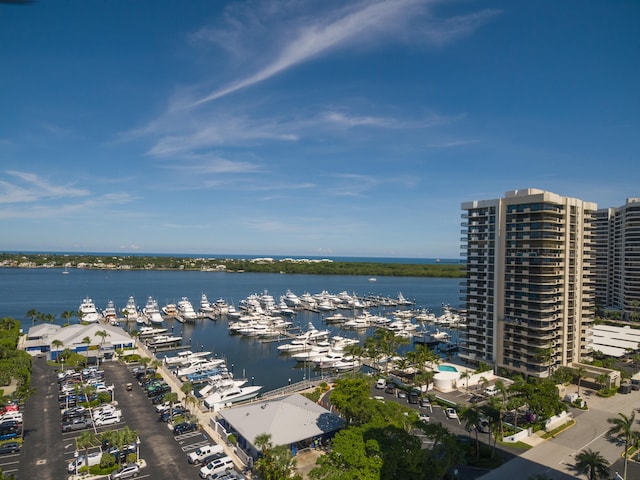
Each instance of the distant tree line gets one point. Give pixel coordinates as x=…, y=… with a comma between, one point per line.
x=135, y=262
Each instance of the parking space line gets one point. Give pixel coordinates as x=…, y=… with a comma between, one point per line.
x=194, y=446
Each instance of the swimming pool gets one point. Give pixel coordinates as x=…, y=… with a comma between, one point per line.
x=447, y=368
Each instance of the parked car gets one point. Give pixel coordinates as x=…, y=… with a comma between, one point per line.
x=184, y=427
x=424, y=417
x=168, y=415
x=425, y=403
x=127, y=471
x=164, y=406
x=9, y=447
x=390, y=388
x=451, y=413
x=203, y=452
x=76, y=424
x=414, y=397
x=381, y=383
x=108, y=419
x=401, y=394
x=216, y=466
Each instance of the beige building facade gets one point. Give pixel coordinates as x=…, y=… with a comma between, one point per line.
x=529, y=291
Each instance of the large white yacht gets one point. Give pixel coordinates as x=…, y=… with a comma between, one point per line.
x=231, y=395
x=87, y=311
x=152, y=311
x=185, y=310
x=130, y=311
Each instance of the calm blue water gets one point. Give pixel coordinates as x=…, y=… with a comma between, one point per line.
x=48, y=291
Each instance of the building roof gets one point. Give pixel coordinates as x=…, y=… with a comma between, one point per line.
x=288, y=420
x=72, y=335
x=615, y=341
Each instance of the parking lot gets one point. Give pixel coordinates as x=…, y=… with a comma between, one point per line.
x=47, y=450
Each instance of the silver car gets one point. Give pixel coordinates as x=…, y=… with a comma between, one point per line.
x=128, y=471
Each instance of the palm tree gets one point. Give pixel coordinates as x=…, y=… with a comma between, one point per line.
x=67, y=316
x=263, y=442
x=355, y=351
x=465, y=376
x=33, y=313
x=171, y=397
x=471, y=418
x=102, y=334
x=592, y=464
x=580, y=374
x=57, y=344
x=85, y=440
x=145, y=361
x=187, y=389
x=623, y=425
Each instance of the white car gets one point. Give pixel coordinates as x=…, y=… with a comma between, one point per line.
x=108, y=419
x=216, y=466
x=451, y=413
x=163, y=407
x=423, y=417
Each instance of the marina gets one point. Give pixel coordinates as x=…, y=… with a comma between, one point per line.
x=252, y=357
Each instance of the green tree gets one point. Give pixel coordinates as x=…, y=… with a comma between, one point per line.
x=171, y=397
x=592, y=464
x=471, y=418
x=33, y=313
x=623, y=425
x=352, y=456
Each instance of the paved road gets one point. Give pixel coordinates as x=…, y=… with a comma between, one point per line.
x=556, y=456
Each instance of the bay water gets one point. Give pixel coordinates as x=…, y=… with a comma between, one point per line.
x=50, y=291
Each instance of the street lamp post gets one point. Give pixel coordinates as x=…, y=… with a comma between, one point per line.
x=138, y=450
x=75, y=461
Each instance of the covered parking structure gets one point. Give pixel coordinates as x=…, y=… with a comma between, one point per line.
x=294, y=420
x=615, y=341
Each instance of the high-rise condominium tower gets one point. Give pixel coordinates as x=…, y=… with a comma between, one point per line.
x=529, y=290
x=618, y=259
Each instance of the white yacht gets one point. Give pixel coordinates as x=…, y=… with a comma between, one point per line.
x=185, y=357
x=130, y=311
x=220, y=307
x=152, y=312
x=205, y=305
x=164, y=341
x=110, y=314
x=291, y=299
x=170, y=310
x=185, y=309
x=231, y=395
x=87, y=311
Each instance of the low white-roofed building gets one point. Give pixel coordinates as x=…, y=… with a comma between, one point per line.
x=615, y=341
x=295, y=421
x=40, y=339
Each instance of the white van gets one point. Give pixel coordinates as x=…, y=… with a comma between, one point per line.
x=93, y=459
x=381, y=383
x=491, y=391
x=202, y=452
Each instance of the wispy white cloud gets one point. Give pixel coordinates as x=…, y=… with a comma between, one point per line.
x=346, y=120
x=30, y=188
x=443, y=31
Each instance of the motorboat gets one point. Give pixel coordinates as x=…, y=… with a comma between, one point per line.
x=185, y=357
x=198, y=365
x=232, y=313
x=87, y=311
x=130, y=311
x=170, y=310
x=152, y=312
x=147, y=331
x=220, y=307
x=221, y=398
x=205, y=305
x=291, y=299
x=164, y=341
x=110, y=314
x=185, y=310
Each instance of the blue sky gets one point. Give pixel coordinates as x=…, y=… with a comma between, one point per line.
x=285, y=127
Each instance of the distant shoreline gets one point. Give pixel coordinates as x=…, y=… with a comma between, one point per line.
x=311, y=266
